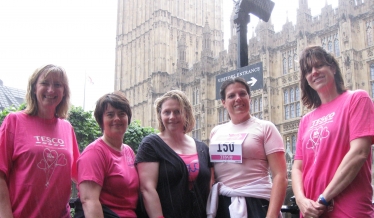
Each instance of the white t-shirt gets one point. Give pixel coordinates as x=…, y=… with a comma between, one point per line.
x=263, y=139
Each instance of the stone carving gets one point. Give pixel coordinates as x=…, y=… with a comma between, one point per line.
x=291, y=126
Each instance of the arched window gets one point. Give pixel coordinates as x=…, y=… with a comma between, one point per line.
x=289, y=62
x=286, y=112
x=292, y=110
x=286, y=96
x=225, y=115
x=295, y=59
x=369, y=33
x=330, y=46
x=292, y=95
x=372, y=72
x=298, y=109
x=284, y=66
x=260, y=100
x=337, y=48
x=256, y=105
x=297, y=94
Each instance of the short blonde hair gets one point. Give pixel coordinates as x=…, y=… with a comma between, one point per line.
x=186, y=109
x=31, y=101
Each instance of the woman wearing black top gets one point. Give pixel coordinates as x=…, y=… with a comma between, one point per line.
x=174, y=169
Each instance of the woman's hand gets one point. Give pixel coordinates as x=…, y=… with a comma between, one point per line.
x=309, y=208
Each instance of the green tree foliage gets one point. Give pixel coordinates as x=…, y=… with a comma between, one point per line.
x=7, y=110
x=85, y=126
x=135, y=133
x=87, y=130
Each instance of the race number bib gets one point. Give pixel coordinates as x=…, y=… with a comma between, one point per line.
x=227, y=148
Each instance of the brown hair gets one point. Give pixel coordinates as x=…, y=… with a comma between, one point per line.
x=309, y=58
x=230, y=81
x=117, y=100
x=31, y=101
x=186, y=109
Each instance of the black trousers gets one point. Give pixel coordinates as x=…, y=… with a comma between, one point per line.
x=256, y=207
x=79, y=213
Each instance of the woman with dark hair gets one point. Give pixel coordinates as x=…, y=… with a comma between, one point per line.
x=38, y=150
x=107, y=178
x=331, y=174
x=174, y=169
x=245, y=151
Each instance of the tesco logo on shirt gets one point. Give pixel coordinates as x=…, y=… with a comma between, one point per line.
x=45, y=140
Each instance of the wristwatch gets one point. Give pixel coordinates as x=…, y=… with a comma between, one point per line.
x=322, y=200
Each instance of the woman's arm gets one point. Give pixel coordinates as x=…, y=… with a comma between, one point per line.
x=308, y=207
x=89, y=192
x=5, y=207
x=348, y=169
x=148, y=176
x=277, y=164
x=212, y=179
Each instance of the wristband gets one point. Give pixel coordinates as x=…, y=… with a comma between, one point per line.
x=322, y=200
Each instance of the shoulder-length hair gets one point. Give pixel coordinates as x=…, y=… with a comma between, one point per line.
x=186, y=109
x=311, y=57
x=31, y=101
x=117, y=100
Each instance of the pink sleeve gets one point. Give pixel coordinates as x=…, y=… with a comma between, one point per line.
x=7, y=143
x=91, y=165
x=273, y=141
x=299, y=144
x=361, y=116
x=74, y=170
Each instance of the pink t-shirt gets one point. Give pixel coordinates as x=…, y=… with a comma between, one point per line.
x=115, y=172
x=38, y=157
x=323, y=141
x=192, y=163
x=263, y=139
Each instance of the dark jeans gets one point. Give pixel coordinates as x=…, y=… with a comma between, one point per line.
x=256, y=207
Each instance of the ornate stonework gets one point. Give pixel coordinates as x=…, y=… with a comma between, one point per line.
x=167, y=45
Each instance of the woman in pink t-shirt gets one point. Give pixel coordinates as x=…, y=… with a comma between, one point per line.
x=331, y=174
x=107, y=178
x=38, y=150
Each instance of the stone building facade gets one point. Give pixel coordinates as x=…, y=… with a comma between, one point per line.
x=179, y=45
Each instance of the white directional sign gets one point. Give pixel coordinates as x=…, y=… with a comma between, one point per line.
x=252, y=82
x=253, y=74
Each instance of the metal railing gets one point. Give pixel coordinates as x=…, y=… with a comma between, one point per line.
x=292, y=209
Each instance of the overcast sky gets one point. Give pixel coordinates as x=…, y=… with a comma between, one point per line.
x=79, y=35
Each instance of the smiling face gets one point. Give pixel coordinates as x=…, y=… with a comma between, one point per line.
x=237, y=102
x=321, y=78
x=115, y=122
x=49, y=91
x=171, y=116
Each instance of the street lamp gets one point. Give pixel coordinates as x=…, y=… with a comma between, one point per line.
x=260, y=8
